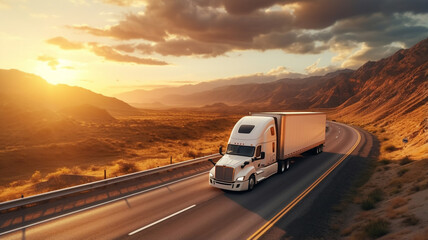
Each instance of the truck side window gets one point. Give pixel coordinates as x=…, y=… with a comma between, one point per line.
x=258, y=151
x=273, y=146
x=272, y=131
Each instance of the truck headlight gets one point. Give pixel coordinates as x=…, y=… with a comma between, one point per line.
x=211, y=175
x=240, y=179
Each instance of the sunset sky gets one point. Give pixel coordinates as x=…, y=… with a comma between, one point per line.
x=113, y=46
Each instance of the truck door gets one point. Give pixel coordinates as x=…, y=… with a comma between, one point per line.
x=270, y=145
x=259, y=162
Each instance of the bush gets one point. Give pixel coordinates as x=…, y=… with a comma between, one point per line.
x=374, y=197
x=411, y=220
x=376, y=228
x=192, y=154
x=401, y=172
x=405, y=161
x=385, y=161
x=368, y=204
x=390, y=148
x=415, y=188
x=127, y=167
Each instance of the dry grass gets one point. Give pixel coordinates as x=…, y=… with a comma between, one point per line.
x=39, y=156
x=398, y=194
x=401, y=172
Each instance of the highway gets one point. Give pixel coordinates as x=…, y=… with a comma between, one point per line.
x=191, y=209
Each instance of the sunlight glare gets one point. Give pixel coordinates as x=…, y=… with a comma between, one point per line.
x=62, y=74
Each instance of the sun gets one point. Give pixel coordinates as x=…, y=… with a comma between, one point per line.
x=62, y=73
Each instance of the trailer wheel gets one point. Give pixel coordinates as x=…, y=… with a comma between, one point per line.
x=316, y=150
x=287, y=165
x=281, y=167
x=251, y=183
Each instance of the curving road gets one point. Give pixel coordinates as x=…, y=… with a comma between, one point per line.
x=191, y=209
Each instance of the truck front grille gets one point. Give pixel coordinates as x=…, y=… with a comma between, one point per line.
x=223, y=173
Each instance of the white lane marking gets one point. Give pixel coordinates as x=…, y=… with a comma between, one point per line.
x=161, y=220
x=100, y=204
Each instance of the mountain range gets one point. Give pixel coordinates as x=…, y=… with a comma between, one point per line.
x=392, y=83
x=24, y=92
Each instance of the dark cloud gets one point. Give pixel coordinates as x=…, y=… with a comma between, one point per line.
x=184, y=48
x=52, y=62
x=111, y=54
x=107, y=52
x=210, y=28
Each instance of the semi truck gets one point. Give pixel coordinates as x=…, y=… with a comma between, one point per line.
x=262, y=144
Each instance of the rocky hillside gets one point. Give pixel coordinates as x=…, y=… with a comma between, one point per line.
x=391, y=100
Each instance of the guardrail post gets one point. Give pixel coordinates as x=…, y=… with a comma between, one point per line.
x=105, y=173
x=170, y=160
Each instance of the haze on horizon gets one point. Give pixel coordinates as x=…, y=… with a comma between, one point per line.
x=113, y=46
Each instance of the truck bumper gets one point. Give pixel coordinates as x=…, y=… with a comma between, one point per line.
x=231, y=186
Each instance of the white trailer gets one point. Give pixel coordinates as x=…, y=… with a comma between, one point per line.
x=260, y=145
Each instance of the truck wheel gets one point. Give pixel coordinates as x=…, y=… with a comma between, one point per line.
x=251, y=183
x=281, y=167
x=316, y=150
x=287, y=165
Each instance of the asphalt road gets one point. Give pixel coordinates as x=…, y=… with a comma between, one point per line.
x=191, y=209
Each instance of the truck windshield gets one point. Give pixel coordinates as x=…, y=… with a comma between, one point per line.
x=240, y=150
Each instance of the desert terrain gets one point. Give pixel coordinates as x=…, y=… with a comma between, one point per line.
x=61, y=151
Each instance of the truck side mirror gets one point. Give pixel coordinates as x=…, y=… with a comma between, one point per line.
x=245, y=164
x=262, y=155
x=211, y=161
x=220, y=150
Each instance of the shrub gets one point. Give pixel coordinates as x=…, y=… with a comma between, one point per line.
x=127, y=167
x=405, y=161
x=192, y=154
x=385, y=161
x=410, y=220
x=401, y=172
x=367, y=204
x=376, y=228
x=390, y=148
x=415, y=188
x=374, y=197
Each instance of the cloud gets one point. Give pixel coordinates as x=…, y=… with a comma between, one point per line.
x=366, y=53
x=52, y=62
x=211, y=28
x=65, y=44
x=111, y=54
x=107, y=52
x=282, y=72
x=314, y=70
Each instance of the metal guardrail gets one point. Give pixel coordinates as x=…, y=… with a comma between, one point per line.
x=101, y=183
